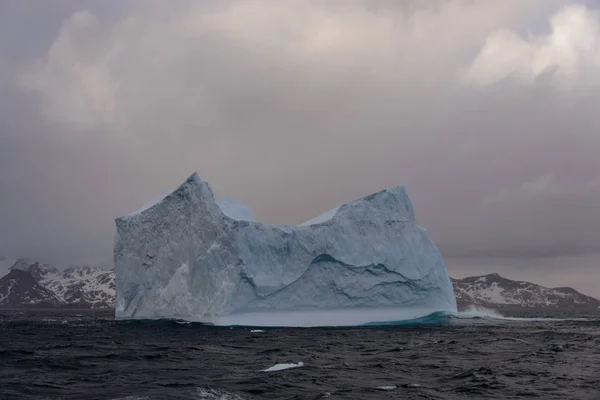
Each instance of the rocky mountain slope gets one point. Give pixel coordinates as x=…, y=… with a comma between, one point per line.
x=495, y=291
x=19, y=289
x=44, y=284
x=31, y=284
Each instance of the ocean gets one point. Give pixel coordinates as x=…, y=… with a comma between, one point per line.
x=76, y=355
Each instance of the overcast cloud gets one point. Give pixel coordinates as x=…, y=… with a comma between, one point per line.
x=486, y=110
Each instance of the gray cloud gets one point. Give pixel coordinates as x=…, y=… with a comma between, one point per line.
x=485, y=110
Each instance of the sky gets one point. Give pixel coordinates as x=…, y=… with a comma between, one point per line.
x=486, y=111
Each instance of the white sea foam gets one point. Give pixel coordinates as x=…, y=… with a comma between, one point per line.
x=387, y=387
x=215, y=394
x=479, y=312
x=487, y=314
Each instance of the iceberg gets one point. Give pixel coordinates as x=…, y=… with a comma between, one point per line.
x=187, y=256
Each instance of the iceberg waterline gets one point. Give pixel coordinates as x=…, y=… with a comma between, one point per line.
x=189, y=257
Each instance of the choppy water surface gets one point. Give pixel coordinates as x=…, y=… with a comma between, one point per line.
x=61, y=355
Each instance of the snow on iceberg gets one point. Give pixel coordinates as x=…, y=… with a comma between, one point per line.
x=189, y=257
x=236, y=209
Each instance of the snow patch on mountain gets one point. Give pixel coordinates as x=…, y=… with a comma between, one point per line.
x=83, y=284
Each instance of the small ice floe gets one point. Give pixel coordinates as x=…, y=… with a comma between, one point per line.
x=256, y=331
x=281, y=367
x=412, y=385
x=387, y=387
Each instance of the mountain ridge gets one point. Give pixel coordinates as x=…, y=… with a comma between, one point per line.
x=20, y=289
x=75, y=286
x=494, y=291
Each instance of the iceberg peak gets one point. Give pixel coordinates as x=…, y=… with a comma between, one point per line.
x=190, y=184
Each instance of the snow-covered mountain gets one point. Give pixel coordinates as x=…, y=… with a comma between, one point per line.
x=495, y=291
x=19, y=289
x=82, y=286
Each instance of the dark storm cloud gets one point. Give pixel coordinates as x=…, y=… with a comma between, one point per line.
x=485, y=110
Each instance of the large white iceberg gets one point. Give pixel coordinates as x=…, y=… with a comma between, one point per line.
x=188, y=257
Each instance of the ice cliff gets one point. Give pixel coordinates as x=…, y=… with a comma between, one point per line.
x=187, y=256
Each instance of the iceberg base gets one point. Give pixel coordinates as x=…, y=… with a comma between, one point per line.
x=321, y=318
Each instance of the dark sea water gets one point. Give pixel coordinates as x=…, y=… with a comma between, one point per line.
x=64, y=355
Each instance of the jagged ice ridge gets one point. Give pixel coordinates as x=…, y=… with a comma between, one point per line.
x=187, y=256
